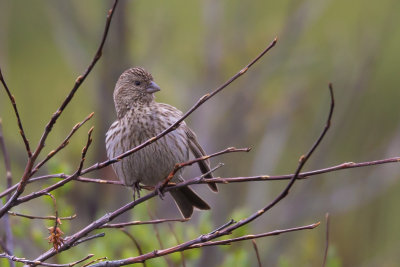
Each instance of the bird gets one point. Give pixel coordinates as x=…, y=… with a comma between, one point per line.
x=139, y=118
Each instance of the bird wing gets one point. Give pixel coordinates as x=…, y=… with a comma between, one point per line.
x=199, y=152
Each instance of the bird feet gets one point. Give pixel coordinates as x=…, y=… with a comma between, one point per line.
x=136, y=190
x=159, y=189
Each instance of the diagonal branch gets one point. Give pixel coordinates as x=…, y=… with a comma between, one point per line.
x=14, y=104
x=175, y=125
x=62, y=145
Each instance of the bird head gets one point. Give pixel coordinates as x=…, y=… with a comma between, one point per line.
x=134, y=87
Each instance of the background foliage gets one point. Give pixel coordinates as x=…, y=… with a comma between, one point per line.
x=278, y=108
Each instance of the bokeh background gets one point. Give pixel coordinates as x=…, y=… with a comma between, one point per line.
x=278, y=108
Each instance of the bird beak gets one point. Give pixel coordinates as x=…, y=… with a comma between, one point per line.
x=152, y=88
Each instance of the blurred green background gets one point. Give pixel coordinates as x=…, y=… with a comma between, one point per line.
x=278, y=108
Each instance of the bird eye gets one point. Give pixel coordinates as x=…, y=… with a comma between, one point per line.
x=137, y=82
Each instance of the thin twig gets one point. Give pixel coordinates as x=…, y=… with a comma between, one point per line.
x=62, y=145
x=326, y=240
x=9, y=240
x=61, y=176
x=84, y=151
x=31, y=262
x=249, y=237
x=93, y=261
x=14, y=104
x=88, y=238
x=41, y=217
x=122, y=225
x=137, y=245
x=253, y=241
x=172, y=230
x=6, y=157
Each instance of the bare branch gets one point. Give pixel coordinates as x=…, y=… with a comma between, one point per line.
x=175, y=125
x=14, y=104
x=122, y=225
x=137, y=245
x=84, y=151
x=62, y=145
x=326, y=240
x=303, y=159
x=30, y=262
x=41, y=217
x=253, y=241
x=61, y=176
x=88, y=238
x=9, y=241
x=248, y=237
x=172, y=230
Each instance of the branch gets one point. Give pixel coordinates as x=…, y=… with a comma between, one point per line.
x=9, y=242
x=14, y=104
x=285, y=192
x=61, y=176
x=137, y=245
x=52, y=218
x=62, y=145
x=248, y=237
x=175, y=125
x=84, y=151
x=88, y=238
x=31, y=262
x=253, y=241
x=326, y=240
x=158, y=221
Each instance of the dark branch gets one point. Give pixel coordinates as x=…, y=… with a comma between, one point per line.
x=14, y=104
x=200, y=102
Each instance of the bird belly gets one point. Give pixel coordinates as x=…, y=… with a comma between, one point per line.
x=152, y=163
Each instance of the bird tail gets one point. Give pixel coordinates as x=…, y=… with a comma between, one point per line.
x=186, y=199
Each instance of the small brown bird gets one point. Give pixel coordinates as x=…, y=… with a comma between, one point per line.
x=141, y=118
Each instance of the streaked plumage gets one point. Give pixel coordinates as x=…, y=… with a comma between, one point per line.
x=140, y=118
